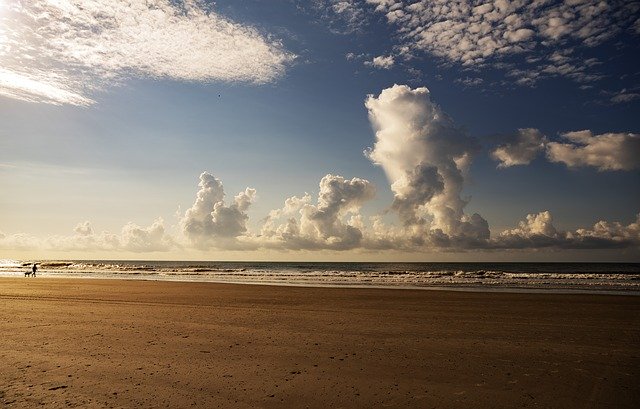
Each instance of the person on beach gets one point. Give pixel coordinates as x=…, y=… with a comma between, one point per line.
x=34, y=269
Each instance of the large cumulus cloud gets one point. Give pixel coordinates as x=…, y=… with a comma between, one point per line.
x=424, y=154
x=210, y=218
x=321, y=225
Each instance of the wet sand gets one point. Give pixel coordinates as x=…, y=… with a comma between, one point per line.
x=112, y=343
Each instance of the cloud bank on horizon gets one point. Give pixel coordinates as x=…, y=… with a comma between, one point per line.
x=425, y=156
x=61, y=51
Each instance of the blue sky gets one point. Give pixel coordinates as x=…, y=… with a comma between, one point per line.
x=102, y=134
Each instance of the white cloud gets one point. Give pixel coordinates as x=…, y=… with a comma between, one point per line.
x=320, y=226
x=475, y=34
x=210, y=220
x=39, y=87
x=470, y=81
x=340, y=16
x=604, y=234
x=83, y=229
x=424, y=154
x=609, y=151
x=521, y=34
x=521, y=148
x=624, y=95
x=144, y=239
x=58, y=51
x=19, y=241
x=132, y=238
x=382, y=62
x=538, y=231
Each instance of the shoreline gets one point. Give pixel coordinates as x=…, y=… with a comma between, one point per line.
x=569, y=278
x=452, y=287
x=123, y=343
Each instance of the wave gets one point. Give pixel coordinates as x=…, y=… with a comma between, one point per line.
x=576, y=276
x=8, y=263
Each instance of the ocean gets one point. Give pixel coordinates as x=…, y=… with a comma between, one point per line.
x=580, y=277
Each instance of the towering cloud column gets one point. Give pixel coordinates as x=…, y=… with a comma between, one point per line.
x=424, y=154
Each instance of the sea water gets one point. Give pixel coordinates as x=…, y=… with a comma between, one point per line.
x=581, y=277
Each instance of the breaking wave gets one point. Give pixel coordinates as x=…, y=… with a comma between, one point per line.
x=553, y=276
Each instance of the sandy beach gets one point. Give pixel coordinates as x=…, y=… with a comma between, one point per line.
x=115, y=343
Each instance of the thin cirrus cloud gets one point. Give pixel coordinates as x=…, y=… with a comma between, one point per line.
x=625, y=95
x=40, y=86
x=60, y=51
x=340, y=16
x=605, y=152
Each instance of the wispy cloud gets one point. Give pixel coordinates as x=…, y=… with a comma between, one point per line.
x=59, y=51
x=340, y=16
x=470, y=81
x=624, y=95
x=40, y=87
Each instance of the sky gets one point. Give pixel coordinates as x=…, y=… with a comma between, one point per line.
x=359, y=130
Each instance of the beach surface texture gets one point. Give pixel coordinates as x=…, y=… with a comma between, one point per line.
x=119, y=343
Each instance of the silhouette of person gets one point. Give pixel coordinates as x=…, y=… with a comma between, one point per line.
x=34, y=269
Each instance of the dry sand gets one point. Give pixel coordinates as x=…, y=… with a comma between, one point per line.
x=111, y=343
